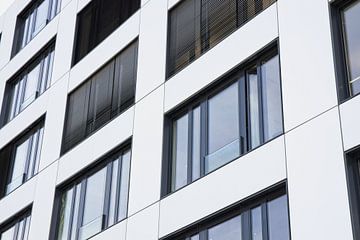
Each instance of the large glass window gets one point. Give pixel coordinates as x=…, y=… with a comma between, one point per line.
x=33, y=20
x=98, y=20
x=105, y=95
x=18, y=229
x=267, y=219
x=29, y=84
x=95, y=202
x=20, y=159
x=197, y=25
x=227, y=122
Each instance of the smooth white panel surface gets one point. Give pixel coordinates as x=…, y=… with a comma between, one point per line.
x=236, y=48
x=152, y=47
x=64, y=41
x=54, y=122
x=8, y=30
x=350, y=122
x=307, y=68
x=243, y=177
x=105, y=51
x=145, y=173
x=97, y=145
x=144, y=225
x=17, y=200
x=319, y=207
x=117, y=231
x=43, y=204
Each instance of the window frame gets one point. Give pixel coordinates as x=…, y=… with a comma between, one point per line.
x=242, y=207
x=237, y=74
x=15, y=220
x=81, y=178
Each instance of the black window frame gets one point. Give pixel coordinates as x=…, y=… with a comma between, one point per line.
x=16, y=219
x=10, y=84
x=8, y=153
x=339, y=51
x=82, y=176
x=237, y=74
x=204, y=41
x=94, y=8
x=243, y=206
x=115, y=112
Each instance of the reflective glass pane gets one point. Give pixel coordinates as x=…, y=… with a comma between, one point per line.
x=8, y=234
x=271, y=98
x=351, y=18
x=223, y=128
x=76, y=211
x=180, y=152
x=64, y=216
x=38, y=149
x=254, y=110
x=15, y=101
x=27, y=228
x=278, y=221
x=41, y=16
x=256, y=224
x=31, y=86
x=195, y=237
x=94, y=197
x=124, y=185
x=229, y=230
x=196, y=157
x=113, y=191
x=21, y=229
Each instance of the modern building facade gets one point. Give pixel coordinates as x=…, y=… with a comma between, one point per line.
x=180, y=120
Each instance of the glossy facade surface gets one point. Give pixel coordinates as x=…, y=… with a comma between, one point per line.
x=303, y=149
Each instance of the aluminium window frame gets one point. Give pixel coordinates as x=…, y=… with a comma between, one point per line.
x=237, y=74
x=241, y=207
x=81, y=178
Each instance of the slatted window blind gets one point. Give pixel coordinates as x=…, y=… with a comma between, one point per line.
x=195, y=26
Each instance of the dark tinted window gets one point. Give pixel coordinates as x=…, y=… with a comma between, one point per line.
x=98, y=20
x=105, y=95
x=197, y=25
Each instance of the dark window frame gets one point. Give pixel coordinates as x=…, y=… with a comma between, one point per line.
x=10, y=84
x=260, y=198
x=339, y=51
x=81, y=178
x=237, y=74
x=114, y=112
x=204, y=34
x=9, y=150
x=15, y=219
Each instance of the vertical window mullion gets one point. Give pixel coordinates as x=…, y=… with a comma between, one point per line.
x=261, y=107
x=203, y=147
x=242, y=114
x=190, y=146
x=28, y=158
x=117, y=201
x=107, y=195
x=265, y=231
x=81, y=208
x=72, y=215
x=246, y=225
x=203, y=235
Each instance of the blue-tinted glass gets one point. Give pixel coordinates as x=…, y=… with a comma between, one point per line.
x=256, y=224
x=229, y=230
x=278, y=221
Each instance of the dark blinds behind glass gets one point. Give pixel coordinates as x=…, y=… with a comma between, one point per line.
x=105, y=95
x=197, y=25
x=98, y=20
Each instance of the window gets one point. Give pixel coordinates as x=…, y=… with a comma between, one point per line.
x=96, y=201
x=98, y=20
x=263, y=219
x=195, y=26
x=28, y=85
x=17, y=229
x=353, y=180
x=104, y=96
x=33, y=20
x=224, y=123
x=20, y=159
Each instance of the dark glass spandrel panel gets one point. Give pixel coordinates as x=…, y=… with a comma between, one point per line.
x=271, y=98
x=75, y=126
x=124, y=185
x=223, y=128
x=180, y=150
x=100, y=98
x=184, y=35
x=196, y=142
x=65, y=214
x=229, y=230
x=278, y=220
x=351, y=19
x=219, y=18
x=254, y=107
x=8, y=234
x=256, y=224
